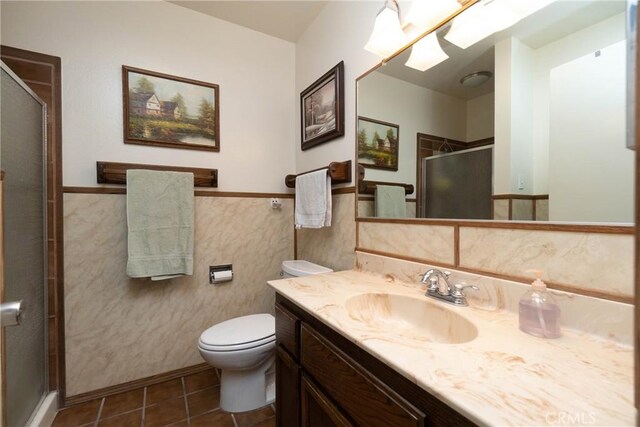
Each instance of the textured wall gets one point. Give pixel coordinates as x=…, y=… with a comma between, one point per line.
x=120, y=329
x=596, y=263
x=332, y=247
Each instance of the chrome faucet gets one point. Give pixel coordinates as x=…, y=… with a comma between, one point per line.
x=439, y=287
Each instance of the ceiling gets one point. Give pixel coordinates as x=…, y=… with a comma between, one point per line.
x=284, y=19
x=547, y=25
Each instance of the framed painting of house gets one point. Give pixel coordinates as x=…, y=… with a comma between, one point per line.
x=322, y=108
x=169, y=111
x=378, y=144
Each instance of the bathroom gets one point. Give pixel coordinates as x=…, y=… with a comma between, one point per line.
x=111, y=340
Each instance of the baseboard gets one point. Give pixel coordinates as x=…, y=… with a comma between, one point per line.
x=132, y=385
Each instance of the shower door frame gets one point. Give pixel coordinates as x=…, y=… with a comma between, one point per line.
x=43, y=75
x=45, y=252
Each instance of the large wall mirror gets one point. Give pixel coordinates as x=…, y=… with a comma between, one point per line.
x=526, y=124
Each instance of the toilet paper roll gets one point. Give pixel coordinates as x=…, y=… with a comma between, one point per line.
x=222, y=276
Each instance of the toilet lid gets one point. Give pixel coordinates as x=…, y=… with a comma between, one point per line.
x=240, y=332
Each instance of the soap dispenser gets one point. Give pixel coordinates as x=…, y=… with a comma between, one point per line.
x=538, y=311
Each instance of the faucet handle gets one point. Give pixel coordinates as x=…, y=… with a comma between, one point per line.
x=458, y=288
x=446, y=273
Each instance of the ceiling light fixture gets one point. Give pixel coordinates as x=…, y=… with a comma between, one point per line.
x=425, y=14
x=387, y=36
x=488, y=17
x=476, y=79
x=426, y=53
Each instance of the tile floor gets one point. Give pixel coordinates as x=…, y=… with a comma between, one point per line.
x=192, y=400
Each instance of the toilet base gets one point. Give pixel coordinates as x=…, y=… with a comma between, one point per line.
x=246, y=390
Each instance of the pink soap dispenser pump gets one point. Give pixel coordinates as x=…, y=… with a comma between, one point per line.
x=539, y=314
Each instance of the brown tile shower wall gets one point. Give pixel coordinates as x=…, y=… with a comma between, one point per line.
x=120, y=329
x=593, y=263
x=332, y=247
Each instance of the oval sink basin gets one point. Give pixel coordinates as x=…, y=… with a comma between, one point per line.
x=411, y=318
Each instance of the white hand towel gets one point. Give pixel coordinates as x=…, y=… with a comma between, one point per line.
x=313, y=200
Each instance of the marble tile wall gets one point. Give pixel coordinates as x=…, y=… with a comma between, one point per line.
x=522, y=210
x=334, y=246
x=427, y=242
x=607, y=319
x=366, y=208
x=501, y=209
x=542, y=209
x=120, y=329
x=592, y=262
x=596, y=261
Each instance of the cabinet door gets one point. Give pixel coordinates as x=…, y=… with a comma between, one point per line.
x=287, y=390
x=362, y=396
x=317, y=410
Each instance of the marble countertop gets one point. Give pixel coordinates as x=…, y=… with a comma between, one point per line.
x=502, y=377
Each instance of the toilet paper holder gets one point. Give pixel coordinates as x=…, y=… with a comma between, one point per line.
x=220, y=273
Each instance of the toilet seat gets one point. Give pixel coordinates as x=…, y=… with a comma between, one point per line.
x=240, y=333
x=236, y=347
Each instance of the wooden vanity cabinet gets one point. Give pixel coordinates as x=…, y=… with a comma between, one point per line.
x=324, y=380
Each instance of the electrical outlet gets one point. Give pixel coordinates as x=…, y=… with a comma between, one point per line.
x=276, y=203
x=520, y=181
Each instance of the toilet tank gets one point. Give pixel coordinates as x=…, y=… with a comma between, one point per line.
x=299, y=268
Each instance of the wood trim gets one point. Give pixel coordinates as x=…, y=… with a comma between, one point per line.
x=197, y=193
x=340, y=173
x=94, y=190
x=456, y=245
x=116, y=173
x=343, y=190
x=527, y=280
x=510, y=209
x=534, y=209
x=135, y=384
x=520, y=196
x=515, y=225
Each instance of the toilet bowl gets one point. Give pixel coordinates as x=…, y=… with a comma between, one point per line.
x=243, y=348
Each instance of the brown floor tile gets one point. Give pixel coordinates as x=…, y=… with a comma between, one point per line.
x=183, y=423
x=269, y=422
x=201, y=380
x=163, y=391
x=130, y=419
x=204, y=401
x=123, y=402
x=77, y=415
x=165, y=413
x=213, y=419
x=245, y=419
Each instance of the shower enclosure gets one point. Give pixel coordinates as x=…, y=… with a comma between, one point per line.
x=458, y=185
x=22, y=264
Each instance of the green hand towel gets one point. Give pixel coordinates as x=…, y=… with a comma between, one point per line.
x=390, y=202
x=160, y=219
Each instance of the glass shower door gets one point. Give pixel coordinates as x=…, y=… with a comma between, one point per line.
x=22, y=149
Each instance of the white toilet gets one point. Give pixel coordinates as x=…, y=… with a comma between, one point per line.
x=243, y=348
